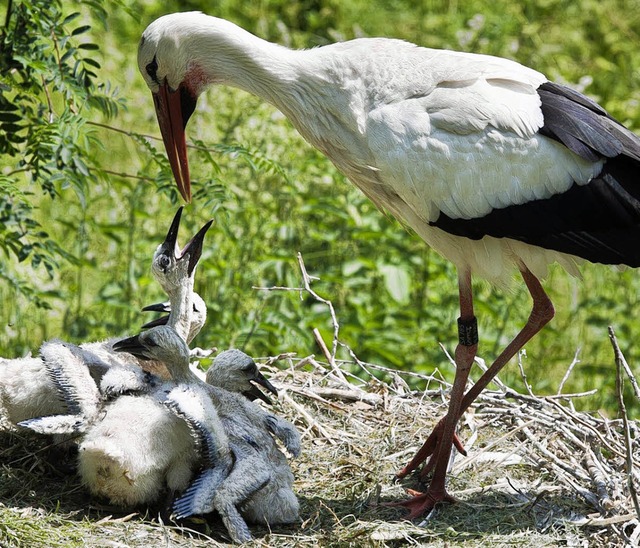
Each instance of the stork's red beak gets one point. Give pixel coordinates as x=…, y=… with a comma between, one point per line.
x=173, y=109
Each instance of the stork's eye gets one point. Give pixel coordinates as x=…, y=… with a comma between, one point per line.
x=152, y=69
x=164, y=262
x=152, y=343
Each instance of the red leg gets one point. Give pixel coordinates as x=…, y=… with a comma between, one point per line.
x=438, y=445
x=464, y=356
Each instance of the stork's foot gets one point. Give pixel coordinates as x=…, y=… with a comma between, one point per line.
x=430, y=448
x=422, y=503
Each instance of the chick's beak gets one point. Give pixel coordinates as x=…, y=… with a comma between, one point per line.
x=132, y=345
x=174, y=108
x=194, y=247
x=262, y=381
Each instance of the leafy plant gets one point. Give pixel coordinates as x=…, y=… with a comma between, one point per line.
x=86, y=193
x=47, y=85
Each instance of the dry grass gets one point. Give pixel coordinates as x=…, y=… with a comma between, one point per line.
x=538, y=474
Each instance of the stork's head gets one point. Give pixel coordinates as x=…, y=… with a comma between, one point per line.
x=175, y=82
x=180, y=54
x=160, y=343
x=172, y=267
x=235, y=371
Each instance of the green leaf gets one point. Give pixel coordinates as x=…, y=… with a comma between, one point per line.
x=70, y=17
x=397, y=282
x=80, y=30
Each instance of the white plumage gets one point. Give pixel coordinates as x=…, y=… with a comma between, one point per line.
x=491, y=164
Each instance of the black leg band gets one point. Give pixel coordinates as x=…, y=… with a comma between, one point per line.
x=468, y=331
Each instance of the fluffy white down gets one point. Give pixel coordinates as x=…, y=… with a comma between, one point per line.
x=136, y=451
x=26, y=391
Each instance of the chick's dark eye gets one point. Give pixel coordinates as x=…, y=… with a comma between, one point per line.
x=152, y=343
x=164, y=262
x=152, y=69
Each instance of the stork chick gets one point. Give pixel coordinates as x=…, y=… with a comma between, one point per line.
x=235, y=371
x=261, y=480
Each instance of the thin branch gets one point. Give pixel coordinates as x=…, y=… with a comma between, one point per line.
x=522, y=373
x=306, y=280
x=124, y=131
x=623, y=362
x=575, y=362
x=125, y=175
x=619, y=359
x=49, y=103
x=312, y=423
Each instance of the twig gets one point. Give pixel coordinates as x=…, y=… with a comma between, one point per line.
x=284, y=356
x=619, y=359
x=599, y=481
x=578, y=474
x=496, y=380
x=124, y=175
x=466, y=462
x=623, y=362
x=336, y=394
x=311, y=422
x=597, y=521
x=323, y=346
x=306, y=279
x=575, y=362
x=49, y=102
x=522, y=373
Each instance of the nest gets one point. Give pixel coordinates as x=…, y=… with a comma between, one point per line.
x=537, y=473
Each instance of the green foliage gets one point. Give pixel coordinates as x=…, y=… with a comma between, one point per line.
x=87, y=194
x=47, y=83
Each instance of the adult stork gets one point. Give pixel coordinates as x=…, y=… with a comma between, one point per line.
x=491, y=164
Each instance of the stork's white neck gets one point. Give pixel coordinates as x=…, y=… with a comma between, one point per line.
x=227, y=54
x=181, y=308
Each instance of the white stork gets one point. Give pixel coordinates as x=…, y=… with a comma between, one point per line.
x=491, y=164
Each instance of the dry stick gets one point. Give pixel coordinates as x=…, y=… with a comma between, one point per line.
x=468, y=461
x=596, y=521
x=348, y=395
x=599, y=482
x=549, y=455
x=496, y=380
x=313, y=423
x=523, y=374
x=284, y=356
x=623, y=362
x=619, y=358
x=306, y=280
x=575, y=362
x=323, y=346
x=574, y=416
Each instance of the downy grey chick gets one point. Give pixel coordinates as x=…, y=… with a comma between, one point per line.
x=235, y=371
x=26, y=387
x=260, y=483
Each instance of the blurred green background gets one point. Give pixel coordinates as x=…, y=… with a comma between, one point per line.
x=86, y=193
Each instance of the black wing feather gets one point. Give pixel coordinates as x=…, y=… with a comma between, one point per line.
x=598, y=221
x=570, y=116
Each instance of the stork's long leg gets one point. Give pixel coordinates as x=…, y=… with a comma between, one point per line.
x=439, y=442
x=464, y=356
